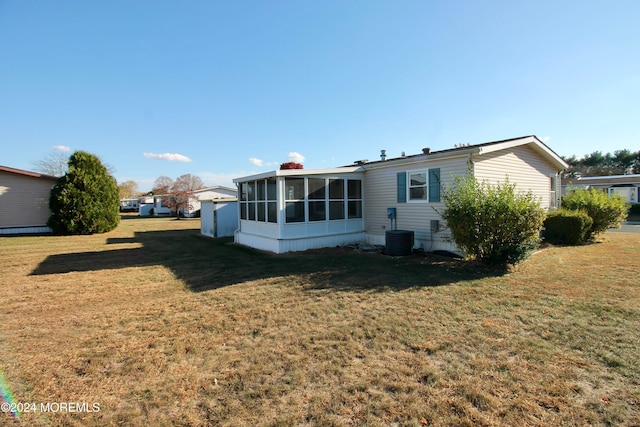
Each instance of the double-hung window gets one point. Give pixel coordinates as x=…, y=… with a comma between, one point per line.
x=418, y=185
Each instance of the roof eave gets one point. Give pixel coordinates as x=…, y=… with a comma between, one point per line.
x=300, y=172
x=28, y=173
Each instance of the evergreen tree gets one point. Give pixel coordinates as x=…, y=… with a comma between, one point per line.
x=86, y=199
x=621, y=162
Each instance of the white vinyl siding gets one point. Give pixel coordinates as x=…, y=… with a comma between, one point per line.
x=381, y=193
x=24, y=200
x=524, y=167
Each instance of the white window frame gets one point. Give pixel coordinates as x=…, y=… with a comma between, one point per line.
x=426, y=186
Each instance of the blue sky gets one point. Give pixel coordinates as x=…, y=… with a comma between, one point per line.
x=232, y=88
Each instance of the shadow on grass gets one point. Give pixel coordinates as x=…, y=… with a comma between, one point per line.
x=205, y=264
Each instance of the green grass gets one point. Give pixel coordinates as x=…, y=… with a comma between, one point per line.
x=161, y=326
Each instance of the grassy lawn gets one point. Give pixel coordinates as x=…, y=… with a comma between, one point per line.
x=161, y=326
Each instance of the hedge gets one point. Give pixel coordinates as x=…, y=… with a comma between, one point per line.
x=566, y=227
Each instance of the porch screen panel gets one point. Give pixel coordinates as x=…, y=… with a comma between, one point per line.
x=317, y=195
x=354, y=195
x=272, y=205
x=336, y=199
x=294, y=199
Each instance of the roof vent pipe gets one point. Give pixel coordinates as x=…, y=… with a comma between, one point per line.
x=426, y=150
x=383, y=155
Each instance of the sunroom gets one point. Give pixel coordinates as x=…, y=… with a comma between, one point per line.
x=295, y=210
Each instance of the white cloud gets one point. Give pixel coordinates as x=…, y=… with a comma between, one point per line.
x=62, y=148
x=546, y=138
x=257, y=162
x=260, y=162
x=296, y=157
x=173, y=157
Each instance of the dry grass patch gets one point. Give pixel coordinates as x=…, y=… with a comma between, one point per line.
x=163, y=327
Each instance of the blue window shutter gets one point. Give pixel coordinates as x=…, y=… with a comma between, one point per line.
x=434, y=185
x=402, y=187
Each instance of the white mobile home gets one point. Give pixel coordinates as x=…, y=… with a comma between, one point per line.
x=24, y=201
x=626, y=186
x=292, y=210
x=130, y=204
x=209, y=193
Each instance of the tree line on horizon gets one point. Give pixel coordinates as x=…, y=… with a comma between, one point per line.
x=621, y=162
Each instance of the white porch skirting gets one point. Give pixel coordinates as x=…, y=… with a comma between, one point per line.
x=280, y=246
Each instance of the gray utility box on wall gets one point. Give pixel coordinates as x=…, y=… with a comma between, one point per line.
x=398, y=242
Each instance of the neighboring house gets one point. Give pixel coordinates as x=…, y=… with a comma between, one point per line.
x=209, y=193
x=24, y=201
x=627, y=186
x=219, y=217
x=153, y=206
x=293, y=210
x=130, y=204
x=160, y=208
x=145, y=206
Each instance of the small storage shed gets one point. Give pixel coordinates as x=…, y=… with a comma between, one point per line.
x=219, y=217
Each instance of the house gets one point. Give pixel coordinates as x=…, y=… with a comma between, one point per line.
x=145, y=206
x=209, y=193
x=24, y=201
x=219, y=217
x=627, y=186
x=160, y=207
x=129, y=204
x=293, y=210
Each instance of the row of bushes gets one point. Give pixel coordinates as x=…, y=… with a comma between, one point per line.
x=497, y=225
x=584, y=215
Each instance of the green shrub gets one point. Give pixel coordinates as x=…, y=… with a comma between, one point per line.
x=493, y=224
x=634, y=209
x=86, y=199
x=566, y=227
x=606, y=211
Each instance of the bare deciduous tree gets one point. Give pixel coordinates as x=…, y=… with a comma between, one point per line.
x=54, y=163
x=162, y=185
